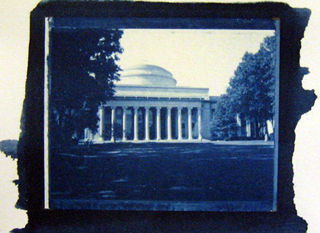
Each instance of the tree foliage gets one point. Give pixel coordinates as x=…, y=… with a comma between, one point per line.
x=251, y=89
x=224, y=123
x=83, y=70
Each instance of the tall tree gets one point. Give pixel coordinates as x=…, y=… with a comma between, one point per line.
x=224, y=124
x=83, y=71
x=251, y=89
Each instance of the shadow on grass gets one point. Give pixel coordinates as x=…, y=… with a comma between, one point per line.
x=184, y=172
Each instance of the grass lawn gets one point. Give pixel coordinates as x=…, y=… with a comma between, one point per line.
x=192, y=172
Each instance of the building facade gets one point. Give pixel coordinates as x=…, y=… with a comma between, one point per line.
x=149, y=106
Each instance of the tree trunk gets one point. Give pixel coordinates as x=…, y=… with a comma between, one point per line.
x=257, y=129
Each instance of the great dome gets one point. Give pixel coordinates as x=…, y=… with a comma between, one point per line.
x=147, y=75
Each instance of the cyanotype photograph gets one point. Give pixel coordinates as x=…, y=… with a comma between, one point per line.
x=160, y=117
x=161, y=114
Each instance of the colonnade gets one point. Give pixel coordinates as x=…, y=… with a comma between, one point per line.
x=193, y=132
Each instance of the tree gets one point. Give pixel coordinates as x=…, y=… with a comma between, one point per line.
x=83, y=70
x=224, y=123
x=254, y=84
x=251, y=89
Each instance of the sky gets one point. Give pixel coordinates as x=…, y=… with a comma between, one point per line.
x=195, y=57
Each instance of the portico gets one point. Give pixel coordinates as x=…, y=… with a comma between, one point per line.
x=148, y=106
x=149, y=122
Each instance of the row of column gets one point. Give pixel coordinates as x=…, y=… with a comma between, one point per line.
x=158, y=124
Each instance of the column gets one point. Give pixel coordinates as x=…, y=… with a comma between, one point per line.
x=238, y=119
x=101, y=123
x=179, y=124
x=248, y=128
x=112, y=123
x=199, y=124
x=124, y=124
x=135, y=124
x=169, y=123
x=147, y=137
x=189, y=124
x=158, y=124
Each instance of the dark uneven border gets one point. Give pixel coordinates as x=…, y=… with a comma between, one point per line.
x=294, y=101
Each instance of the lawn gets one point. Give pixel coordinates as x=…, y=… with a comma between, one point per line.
x=164, y=172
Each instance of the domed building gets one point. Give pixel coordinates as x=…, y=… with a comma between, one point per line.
x=150, y=106
x=147, y=75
